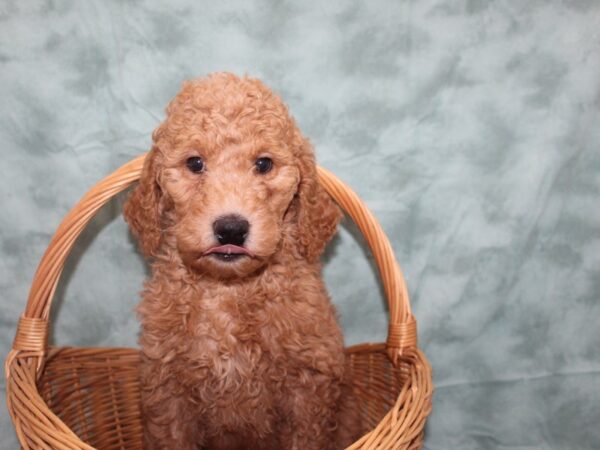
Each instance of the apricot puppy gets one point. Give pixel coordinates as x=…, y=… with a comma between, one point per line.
x=240, y=344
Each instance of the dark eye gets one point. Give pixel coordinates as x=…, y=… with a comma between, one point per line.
x=195, y=164
x=263, y=165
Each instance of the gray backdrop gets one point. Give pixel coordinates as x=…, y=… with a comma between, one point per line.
x=469, y=127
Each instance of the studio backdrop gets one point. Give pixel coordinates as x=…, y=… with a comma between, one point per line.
x=470, y=128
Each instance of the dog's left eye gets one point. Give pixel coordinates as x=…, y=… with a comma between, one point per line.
x=263, y=165
x=195, y=164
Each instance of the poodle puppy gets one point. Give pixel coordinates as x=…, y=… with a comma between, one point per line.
x=241, y=348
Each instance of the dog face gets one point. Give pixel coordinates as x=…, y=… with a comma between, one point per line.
x=229, y=201
x=230, y=182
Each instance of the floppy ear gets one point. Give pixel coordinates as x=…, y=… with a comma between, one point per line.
x=143, y=209
x=317, y=214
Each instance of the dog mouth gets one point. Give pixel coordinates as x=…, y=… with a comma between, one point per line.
x=228, y=252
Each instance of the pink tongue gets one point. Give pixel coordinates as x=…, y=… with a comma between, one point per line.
x=228, y=249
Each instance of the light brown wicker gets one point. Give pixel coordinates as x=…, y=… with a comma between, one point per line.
x=86, y=398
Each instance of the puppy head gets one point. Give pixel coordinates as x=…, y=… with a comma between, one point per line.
x=230, y=182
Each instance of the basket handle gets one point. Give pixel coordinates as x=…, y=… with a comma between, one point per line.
x=402, y=328
x=32, y=330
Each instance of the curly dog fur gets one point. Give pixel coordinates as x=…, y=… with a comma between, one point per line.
x=242, y=354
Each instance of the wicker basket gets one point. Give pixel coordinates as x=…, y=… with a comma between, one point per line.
x=86, y=398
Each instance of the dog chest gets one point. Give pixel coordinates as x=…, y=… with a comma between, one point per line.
x=238, y=380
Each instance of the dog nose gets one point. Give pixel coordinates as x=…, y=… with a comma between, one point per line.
x=231, y=229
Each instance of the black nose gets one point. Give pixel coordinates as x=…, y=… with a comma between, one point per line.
x=231, y=229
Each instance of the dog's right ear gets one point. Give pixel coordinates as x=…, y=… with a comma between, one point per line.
x=143, y=208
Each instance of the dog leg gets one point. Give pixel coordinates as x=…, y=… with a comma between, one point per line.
x=311, y=410
x=349, y=427
x=170, y=422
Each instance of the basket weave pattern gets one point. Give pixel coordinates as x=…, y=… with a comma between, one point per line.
x=87, y=398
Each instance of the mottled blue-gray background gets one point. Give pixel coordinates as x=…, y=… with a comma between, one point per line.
x=470, y=128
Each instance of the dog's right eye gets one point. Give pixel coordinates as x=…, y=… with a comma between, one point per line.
x=195, y=164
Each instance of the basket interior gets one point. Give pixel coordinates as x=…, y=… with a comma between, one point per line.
x=96, y=391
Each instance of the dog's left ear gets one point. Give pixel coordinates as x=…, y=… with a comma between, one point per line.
x=317, y=214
